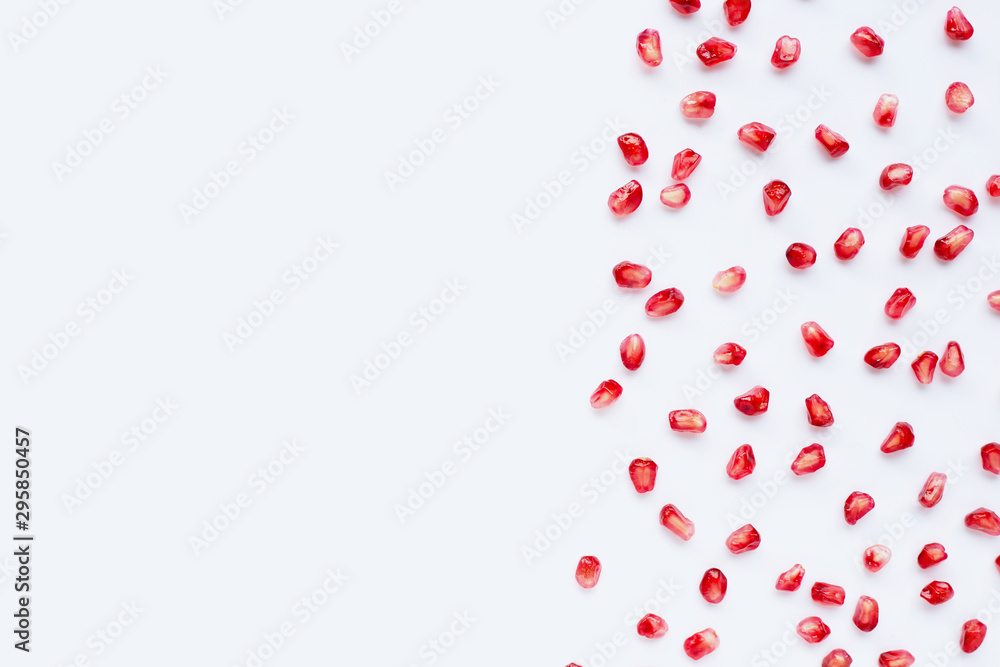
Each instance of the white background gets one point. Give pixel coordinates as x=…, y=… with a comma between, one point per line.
x=495, y=347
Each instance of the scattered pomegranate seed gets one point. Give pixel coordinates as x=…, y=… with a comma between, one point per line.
x=899, y=658
x=961, y=200
x=631, y=276
x=776, y=196
x=714, y=51
x=643, y=474
x=838, y=657
x=901, y=437
x=606, y=393
x=900, y=303
x=818, y=341
x=828, y=594
x=866, y=614
x=895, y=176
x=993, y=186
x=923, y=367
x=700, y=644
x=973, y=634
x=675, y=196
x=730, y=354
x=742, y=462
x=665, y=302
x=818, y=411
x=937, y=592
x=730, y=280
x=736, y=11
x=625, y=199
x=754, y=402
x=700, y=104
x=885, y=110
x=809, y=460
x=956, y=26
x=756, y=135
x=867, y=42
x=993, y=298
x=713, y=586
x=984, y=520
x=687, y=421
x=647, y=44
x=849, y=244
x=834, y=143
x=743, y=539
x=633, y=149
x=876, y=557
x=882, y=356
x=958, y=97
x=951, y=245
x=786, y=53
x=651, y=626
x=685, y=162
x=953, y=362
x=933, y=489
x=686, y=6
x=812, y=629
x=931, y=555
x=998, y=563
x=913, y=240
x=678, y=524
x=633, y=351
x=791, y=580
x=588, y=571
x=800, y=255
x=857, y=505
x=991, y=458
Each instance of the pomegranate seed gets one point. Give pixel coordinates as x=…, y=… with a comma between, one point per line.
x=933, y=489
x=812, y=629
x=713, y=586
x=991, y=458
x=675, y=196
x=678, y=524
x=786, y=53
x=665, y=302
x=809, y=460
x=866, y=614
x=867, y=42
x=895, y=176
x=606, y=393
x=993, y=298
x=625, y=199
x=647, y=44
x=973, y=634
x=743, y=540
x=686, y=6
x=858, y=504
x=754, y=402
x=776, y=196
x=714, y=50
x=993, y=186
x=828, y=594
x=956, y=26
x=931, y=555
x=849, y=244
x=633, y=149
x=958, y=97
x=961, y=200
x=900, y=303
x=800, y=255
x=633, y=351
x=953, y=362
x=998, y=563
x=687, y=421
x=818, y=341
x=924, y=366
x=730, y=354
x=985, y=521
x=791, y=580
x=588, y=571
x=899, y=658
x=700, y=644
x=685, y=162
x=838, y=657
x=937, y=592
x=643, y=474
x=885, y=110
x=901, y=437
x=651, y=626
x=819, y=411
x=834, y=143
x=882, y=356
x=730, y=280
x=913, y=240
x=876, y=557
x=632, y=276
x=742, y=462
x=700, y=104
x=756, y=135
x=736, y=11
x=951, y=245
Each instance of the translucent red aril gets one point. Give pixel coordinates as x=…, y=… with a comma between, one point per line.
x=736, y=11
x=961, y=200
x=867, y=42
x=665, y=302
x=741, y=463
x=913, y=240
x=800, y=255
x=678, y=524
x=901, y=437
x=743, y=539
x=812, y=629
x=647, y=45
x=685, y=162
x=885, y=110
x=984, y=521
x=687, y=421
x=900, y=303
x=993, y=186
x=786, y=53
x=633, y=351
x=730, y=354
x=993, y=299
x=713, y=585
x=642, y=471
x=958, y=97
x=633, y=149
x=973, y=634
x=991, y=458
x=931, y=555
x=857, y=505
x=819, y=411
x=588, y=571
x=895, y=175
x=937, y=592
x=700, y=644
x=756, y=135
x=625, y=199
x=818, y=341
x=776, y=196
x=606, y=393
x=953, y=361
x=809, y=460
x=849, y=244
x=866, y=614
x=876, y=557
x=791, y=580
x=686, y=6
x=828, y=594
x=834, y=143
x=631, y=276
x=651, y=626
x=933, y=489
x=951, y=245
x=882, y=356
x=754, y=402
x=956, y=26
x=924, y=366
x=898, y=658
x=675, y=196
x=838, y=657
x=714, y=51
x=700, y=104
x=730, y=280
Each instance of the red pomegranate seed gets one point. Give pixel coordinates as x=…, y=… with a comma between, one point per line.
x=858, y=504
x=675, y=196
x=818, y=341
x=786, y=53
x=993, y=298
x=834, y=143
x=714, y=51
x=933, y=489
x=776, y=196
x=867, y=42
x=700, y=644
x=937, y=592
x=625, y=199
x=632, y=276
x=643, y=474
x=606, y=393
x=901, y=437
x=849, y=244
x=913, y=240
x=588, y=571
x=700, y=104
x=838, y=657
x=876, y=557
x=678, y=524
x=800, y=255
x=756, y=135
x=633, y=149
x=754, y=402
x=991, y=458
x=924, y=366
x=931, y=555
x=885, y=110
x=895, y=176
x=956, y=26
x=899, y=658
x=828, y=594
x=961, y=200
x=651, y=626
x=993, y=186
x=866, y=614
x=742, y=462
x=687, y=421
x=791, y=580
x=730, y=280
x=900, y=303
x=809, y=460
x=812, y=629
x=958, y=97
x=633, y=351
x=685, y=162
x=951, y=245
x=743, y=539
x=882, y=356
x=665, y=302
x=953, y=362
x=736, y=11
x=819, y=411
x=647, y=44
x=984, y=521
x=998, y=563
x=730, y=354
x=973, y=634
x=713, y=585
x=686, y=6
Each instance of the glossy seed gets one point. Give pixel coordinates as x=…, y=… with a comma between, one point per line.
x=642, y=472
x=606, y=393
x=923, y=367
x=647, y=44
x=741, y=463
x=913, y=240
x=901, y=437
x=631, y=276
x=685, y=162
x=792, y=579
x=678, y=524
x=883, y=356
x=729, y=354
x=857, y=505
